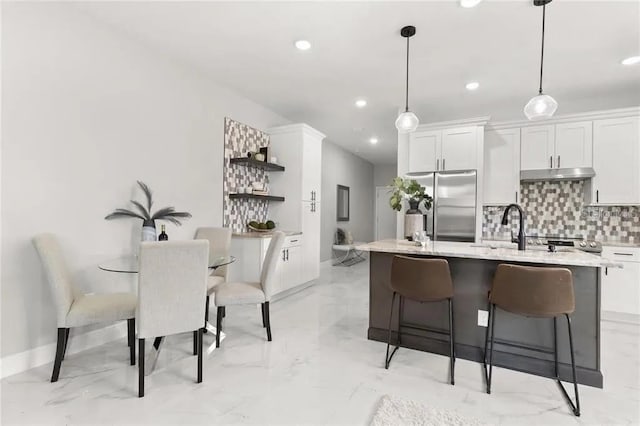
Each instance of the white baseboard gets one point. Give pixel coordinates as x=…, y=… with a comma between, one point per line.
x=326, y=264
x=22, y=361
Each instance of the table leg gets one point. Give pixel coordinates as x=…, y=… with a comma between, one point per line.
x=212, y=331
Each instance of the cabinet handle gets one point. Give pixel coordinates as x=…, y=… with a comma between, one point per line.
x=287, y=254
x=437, y=164
x=622, y=254
x=551, y=161
x=443, y=167
x=597, y=196
x=606, y=271
x=283, y=256
x=558, y=165
x=294, y=241
x=516, y=196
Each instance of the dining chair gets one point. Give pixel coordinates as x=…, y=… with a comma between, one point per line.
x=172, y=289
x=219, y=244
x=244, y=293
x=75, y=309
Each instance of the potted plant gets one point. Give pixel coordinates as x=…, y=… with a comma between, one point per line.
x=414, y=193
x=144, y=213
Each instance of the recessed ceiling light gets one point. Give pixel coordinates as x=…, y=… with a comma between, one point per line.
x=303, y=45
x=361, y=103
x=373, y=141
x=472, y=85
x=469, y=3
x=632, y=60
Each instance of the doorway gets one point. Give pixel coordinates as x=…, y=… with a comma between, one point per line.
x=385, y=220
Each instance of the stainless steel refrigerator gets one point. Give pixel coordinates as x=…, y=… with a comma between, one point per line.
x=453, y=214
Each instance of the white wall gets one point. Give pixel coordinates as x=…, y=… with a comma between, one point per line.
x=383, y=174
x=85, y=112
x=341, y=167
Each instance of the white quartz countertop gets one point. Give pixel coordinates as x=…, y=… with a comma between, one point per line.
x=505, y=251
x=268, y=234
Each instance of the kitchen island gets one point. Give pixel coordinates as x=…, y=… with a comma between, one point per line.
x=523, y=344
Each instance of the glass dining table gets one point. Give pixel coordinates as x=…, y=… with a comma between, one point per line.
x=130, y=265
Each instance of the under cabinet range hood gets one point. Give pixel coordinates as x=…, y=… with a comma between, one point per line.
x=578, y=173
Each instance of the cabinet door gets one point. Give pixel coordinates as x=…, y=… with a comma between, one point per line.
x=616, y=155
x=310, y=269
x=537, y=145
x=621, y=289
x=574, y=145
x=459, y=149
x=311, y=168
x=501, y=167
x=424, y=151
x=291, y=270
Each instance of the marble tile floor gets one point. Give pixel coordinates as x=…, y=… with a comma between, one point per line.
x=319, y=369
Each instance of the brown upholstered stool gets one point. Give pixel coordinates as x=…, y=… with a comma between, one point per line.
x=533, y=292
x=421, y=280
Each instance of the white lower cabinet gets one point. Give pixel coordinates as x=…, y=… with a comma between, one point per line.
x=621, y=287
x=250, y=254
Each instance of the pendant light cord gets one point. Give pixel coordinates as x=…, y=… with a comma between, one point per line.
x=406, y=105
x=544, y=8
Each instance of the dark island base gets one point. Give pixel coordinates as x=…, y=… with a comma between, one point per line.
x=521, y=344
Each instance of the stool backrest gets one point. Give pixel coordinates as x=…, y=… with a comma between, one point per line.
x=424, y=280
x=533, y=291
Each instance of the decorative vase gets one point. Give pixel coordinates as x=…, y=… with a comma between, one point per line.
x=413, y=220
x=149, y=231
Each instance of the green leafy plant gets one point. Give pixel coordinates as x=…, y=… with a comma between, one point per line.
x=410, y=190
x=144, y=212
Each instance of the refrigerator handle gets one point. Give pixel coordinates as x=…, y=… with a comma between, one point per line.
x=437, y=164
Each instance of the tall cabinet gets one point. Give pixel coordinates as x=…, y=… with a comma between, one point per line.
x=299, y=146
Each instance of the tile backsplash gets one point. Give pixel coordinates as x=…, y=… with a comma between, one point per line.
x=238, y=140
x=558, y=208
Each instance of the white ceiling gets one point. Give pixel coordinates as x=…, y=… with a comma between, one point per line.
x=357, y=51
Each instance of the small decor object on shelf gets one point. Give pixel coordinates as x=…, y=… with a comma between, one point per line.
x=414, y=193
x=265, y=151
x=144, y=213
x=259, y=156
x=163, y=235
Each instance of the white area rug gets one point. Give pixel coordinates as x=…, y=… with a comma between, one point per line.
x=397, y=411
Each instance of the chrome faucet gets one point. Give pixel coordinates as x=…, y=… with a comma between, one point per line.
x=521, y=240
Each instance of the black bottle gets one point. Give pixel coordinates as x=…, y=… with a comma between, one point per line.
x=163, y=235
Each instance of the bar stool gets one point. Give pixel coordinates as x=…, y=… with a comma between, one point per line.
x=538, y=292
x=421, y=280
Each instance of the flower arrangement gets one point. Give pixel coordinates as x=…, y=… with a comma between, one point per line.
x=410, y=190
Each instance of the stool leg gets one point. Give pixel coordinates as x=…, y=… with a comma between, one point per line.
x=387, y=358
x=492, y=315
x=555, y=347
x=574, y=407
x=452, y=355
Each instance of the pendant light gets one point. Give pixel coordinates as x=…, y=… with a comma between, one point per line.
x=542, y=106
x=407, y=122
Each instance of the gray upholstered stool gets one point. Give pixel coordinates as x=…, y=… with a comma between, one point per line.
x=533, y=292
x=421, y=280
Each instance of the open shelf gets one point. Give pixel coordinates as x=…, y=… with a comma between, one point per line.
x=251, y=162
x=255, y=197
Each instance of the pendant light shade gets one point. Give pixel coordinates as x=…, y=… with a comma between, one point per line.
x=407, y=122
x=540, y=107
x=543, y=106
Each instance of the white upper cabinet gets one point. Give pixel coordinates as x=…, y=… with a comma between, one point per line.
x=616, y=160
x=459, y=148
x=448, y=149
x=501, y=167
x=311, y=168
x=537, y=147
x=574, y=145
x=424, y=151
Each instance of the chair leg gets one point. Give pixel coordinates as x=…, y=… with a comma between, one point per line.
x=140, y=368
x=131, y=339
x=264, y=322
x=200, y=334
x=62, y=333
x=224, y=312
x=387, y=358
x=574, y=407
x=218, y=325
x=492, y=317
x=452, y=354
x=206, y=315
x=66, y=341
x=195, y=342
x=267, y=320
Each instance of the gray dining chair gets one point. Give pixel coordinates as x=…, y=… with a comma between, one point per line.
x=75, y=309
x=172, y=289
x=244, y=293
